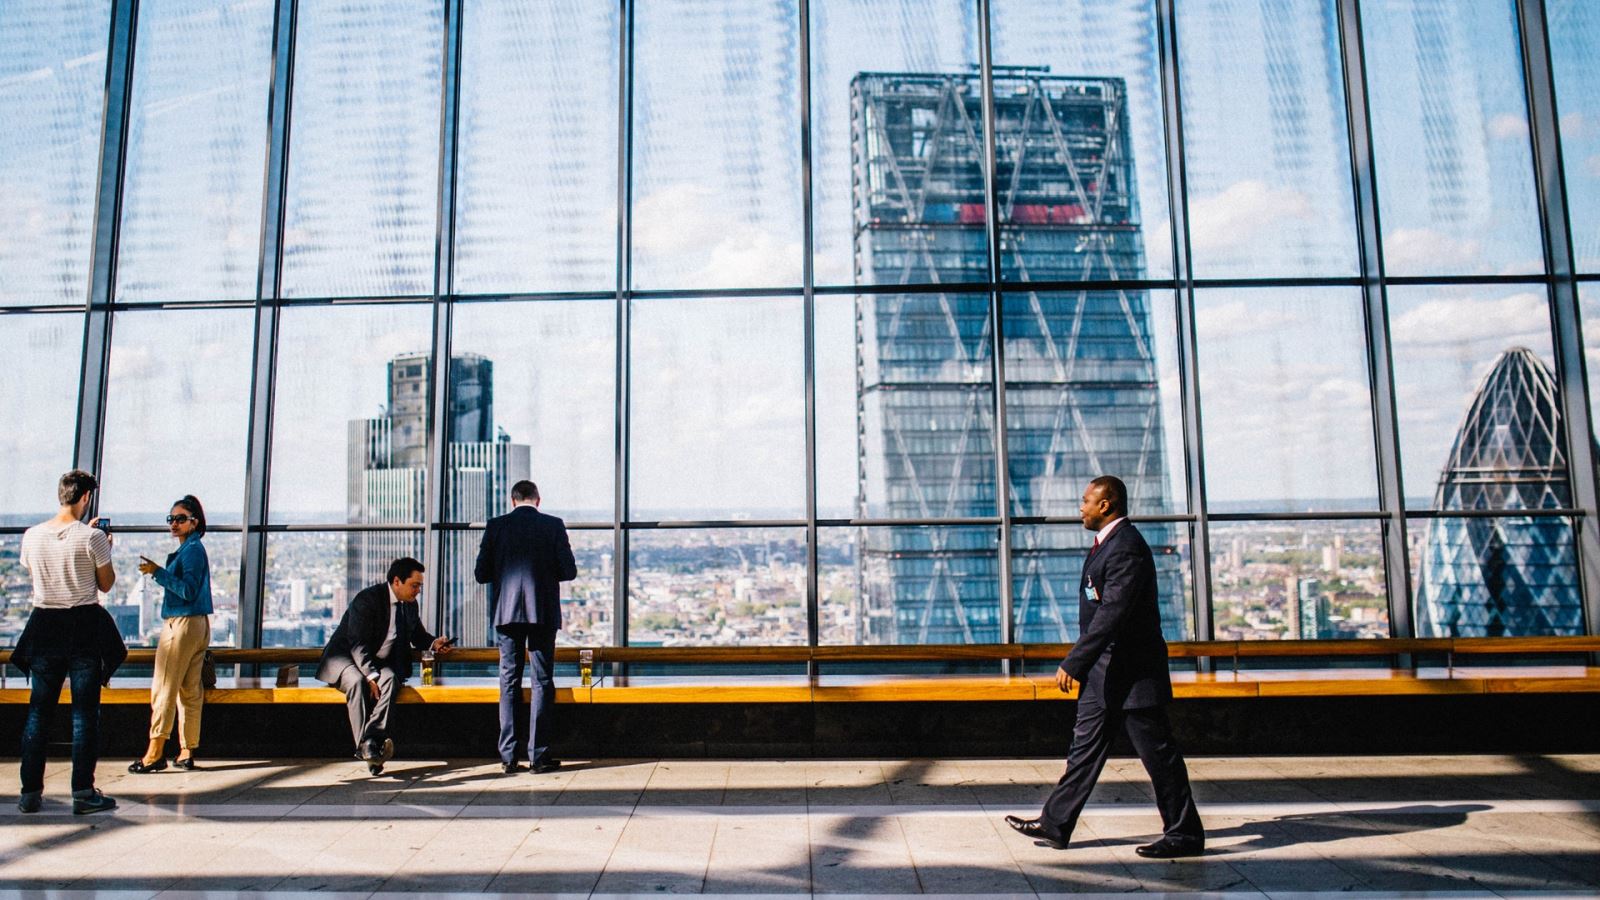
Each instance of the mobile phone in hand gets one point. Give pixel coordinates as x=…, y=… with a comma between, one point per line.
x=104, y=524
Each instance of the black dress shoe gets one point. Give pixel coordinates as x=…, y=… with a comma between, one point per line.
x=1169, y=848
x=545, y=765
x=185, y=764
x=138, y=766
x=1037, y=830
x=510, y=768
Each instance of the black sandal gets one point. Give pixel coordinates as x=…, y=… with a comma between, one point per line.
x=138, y=766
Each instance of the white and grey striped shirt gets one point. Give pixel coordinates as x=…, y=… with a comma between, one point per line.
x=62, y=560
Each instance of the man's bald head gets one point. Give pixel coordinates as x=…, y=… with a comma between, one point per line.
x=1104, y=501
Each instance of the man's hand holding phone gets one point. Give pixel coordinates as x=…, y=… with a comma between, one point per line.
x=443, y=646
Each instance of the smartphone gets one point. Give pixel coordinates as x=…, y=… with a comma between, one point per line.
x=104, y=524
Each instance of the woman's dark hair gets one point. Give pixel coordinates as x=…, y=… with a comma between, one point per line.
x=191, y=505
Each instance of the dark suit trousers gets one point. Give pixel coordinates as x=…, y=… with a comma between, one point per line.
x=1152, y=739
x=517, y=642
x=369, y=718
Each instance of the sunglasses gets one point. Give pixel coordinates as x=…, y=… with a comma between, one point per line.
x=179, y=520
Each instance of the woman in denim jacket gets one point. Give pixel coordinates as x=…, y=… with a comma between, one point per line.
x=175, y=691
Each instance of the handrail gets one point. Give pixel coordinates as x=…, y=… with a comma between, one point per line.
x=945, y=652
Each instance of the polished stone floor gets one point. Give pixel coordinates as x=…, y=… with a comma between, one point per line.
x=1468, y=826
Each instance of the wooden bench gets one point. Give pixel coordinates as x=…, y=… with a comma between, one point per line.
x=1031, y=677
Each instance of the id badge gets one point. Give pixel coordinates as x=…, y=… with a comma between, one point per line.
x=1091, y=593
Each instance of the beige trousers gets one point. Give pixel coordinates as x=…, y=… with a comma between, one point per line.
x=175, y=691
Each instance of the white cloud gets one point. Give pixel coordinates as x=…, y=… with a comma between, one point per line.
x=1228, y=321
x=1445, y=324
x=1413, y=250
x=690, y=226
x=1507, y=126
x=1246, y=213
x=1573, y=125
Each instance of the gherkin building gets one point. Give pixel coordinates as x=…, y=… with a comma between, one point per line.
x=1506, y=575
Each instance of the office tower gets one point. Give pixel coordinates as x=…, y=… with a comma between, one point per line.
x=1311, y=611
x=1081, y=391
x=1512, y=575
x=388, y=469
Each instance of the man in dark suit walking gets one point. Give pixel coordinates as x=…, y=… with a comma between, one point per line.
x=1120, y=660
x=524, y=558
x=369, y=656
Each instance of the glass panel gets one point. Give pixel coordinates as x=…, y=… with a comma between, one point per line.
x=1500, y=577
x=585, y=603
x=1575, y=58
x=1589, y=303
x=909, y=585
x=40, y=360
x=1089, y=199
x=536, y=206
x=350, y=440
x=1092, y=388
x=1047, y=564
x=554, y=405
x=197, y=143
x=16, y=590
x=311, y=576
x=177, y=414
x=1481, y=421
x=1267, y=152
x=716, y=129
x=1298, y=580
x=52, y=95
x=728, y=586
x=718, y=409
x=1287, y=400
x=905, y=406
x=897, y=159
x=135, y=600
x=1450, y=136
x=364, y=150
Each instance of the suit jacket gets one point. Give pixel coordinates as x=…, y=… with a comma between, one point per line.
x=1120, y=657
x=360, y=635
x=523, y=559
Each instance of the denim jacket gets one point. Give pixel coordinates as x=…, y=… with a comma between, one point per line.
x=187, y=580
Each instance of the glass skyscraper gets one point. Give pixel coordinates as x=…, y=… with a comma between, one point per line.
x=1082, y=395
x=1512, y=575
x=388, y=474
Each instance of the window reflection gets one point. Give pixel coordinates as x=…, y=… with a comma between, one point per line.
x=1450, y=135
x=197, y=141
x=536, y=208
x=177, y=413
x=732, y=586
x=717, y=409
x=52, y=95
x=40, y=359
x=362, y=197
x=350, y=441
x=1092, y=148
x=1288, y=407
x=716, y=127
x=898, y=143
x=1575, y=56
x=1298, y=580
x=1266, y=145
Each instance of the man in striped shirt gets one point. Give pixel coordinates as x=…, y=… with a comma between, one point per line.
x=70, y=563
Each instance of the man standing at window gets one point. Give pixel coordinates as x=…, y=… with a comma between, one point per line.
x=524, y=557
x=369, y=656
x=69, y=635
x=1120, y=660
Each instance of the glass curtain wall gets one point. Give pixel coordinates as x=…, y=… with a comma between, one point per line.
x=809, y=316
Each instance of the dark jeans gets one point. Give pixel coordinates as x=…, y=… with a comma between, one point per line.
x=1151, y=736
x=517, y=642
x=49, y=673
